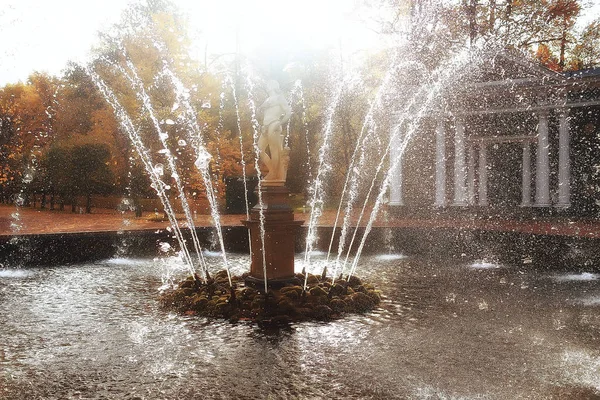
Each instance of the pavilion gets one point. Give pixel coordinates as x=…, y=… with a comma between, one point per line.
x=515, y=135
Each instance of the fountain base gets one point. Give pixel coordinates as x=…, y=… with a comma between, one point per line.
x=321, y=300
x=280, y=230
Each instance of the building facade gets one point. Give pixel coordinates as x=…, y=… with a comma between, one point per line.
x=513, y=136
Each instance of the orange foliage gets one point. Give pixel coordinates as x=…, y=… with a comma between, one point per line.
x=545, y=56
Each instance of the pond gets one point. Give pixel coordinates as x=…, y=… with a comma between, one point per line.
x=447, y=330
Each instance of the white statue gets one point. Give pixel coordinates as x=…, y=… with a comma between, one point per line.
x=276, y=112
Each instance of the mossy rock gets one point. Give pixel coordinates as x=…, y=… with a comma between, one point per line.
x=257, y=303
x=247, y=293
x=305, y=312
x=188, y=283
x=285, y=306
x=321, y=301
x=361, y=289
x=223, y=300
x=361, y=302
x=375, y=295
x=338, y=290
x=287, y=289
x=199, y=303
x=338, y=305
x=188, y=291
x=316, y=300
x=354, y=281
x=322, y=312
x=281, y=319
x=317, y=291
x=292, y=295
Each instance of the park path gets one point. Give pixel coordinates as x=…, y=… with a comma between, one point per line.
x=27, y=221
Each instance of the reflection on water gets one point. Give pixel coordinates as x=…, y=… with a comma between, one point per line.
x=444, y=331
x=14, y=273
x=584, y=276
x=483, y=264
x=390, y=257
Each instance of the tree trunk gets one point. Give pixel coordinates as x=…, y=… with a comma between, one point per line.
x=472, y=10
x=492, y=15
x=507, y=17
x=138, y=209
x=563, y=45
x=52, y=202
x=43, y=201
x=88, y=204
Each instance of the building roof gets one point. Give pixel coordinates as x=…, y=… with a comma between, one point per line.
x=583, y=73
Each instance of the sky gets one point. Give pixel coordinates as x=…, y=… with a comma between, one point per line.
x=43, y=35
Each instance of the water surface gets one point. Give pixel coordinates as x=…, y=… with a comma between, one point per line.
x=447, y=330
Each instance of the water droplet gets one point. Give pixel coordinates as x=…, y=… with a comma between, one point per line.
x=27, y=178
x=159, y=169
x=164, y=247
x=182, y=142
x=169, y=122
x=483, y=305
x=203, y=159
x=206, y=104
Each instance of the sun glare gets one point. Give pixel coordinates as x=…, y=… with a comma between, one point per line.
x=260, y=30
x=43, y=35
x=265, y=29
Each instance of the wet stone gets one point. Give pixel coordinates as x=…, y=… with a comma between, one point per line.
x=354, y=281
x=317, y=291
x=288, y=289
x=337, y=290
x=338, y=305
x=322, y=312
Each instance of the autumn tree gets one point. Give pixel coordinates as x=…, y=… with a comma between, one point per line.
x=26, y=127
x=91, y=173
x=437, y=28
x=586, y=53
x=59, y=176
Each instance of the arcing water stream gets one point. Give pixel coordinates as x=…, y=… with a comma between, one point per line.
x=363, y=169
x=153, y=172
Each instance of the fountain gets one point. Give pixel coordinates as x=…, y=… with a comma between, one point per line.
x=448, y=327
x=272, y=292
x=272, y=226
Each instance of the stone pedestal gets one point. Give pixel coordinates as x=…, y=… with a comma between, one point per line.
x=280, y=237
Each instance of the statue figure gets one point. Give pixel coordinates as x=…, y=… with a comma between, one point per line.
x=276, y=112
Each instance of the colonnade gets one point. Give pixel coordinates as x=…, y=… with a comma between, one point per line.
x=470, y=182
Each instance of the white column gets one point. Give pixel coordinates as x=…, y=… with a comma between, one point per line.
x=564, y=160
x=526, y=184
x=542, y=171
x=471, y=175
x=460, y=173
x=440, y=164
x=483, y=175
x=396, y=167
